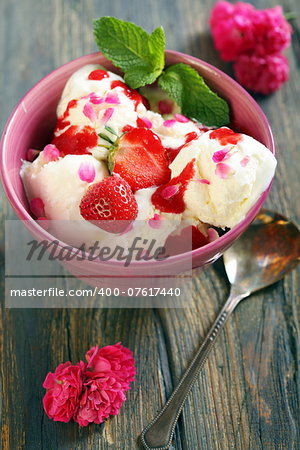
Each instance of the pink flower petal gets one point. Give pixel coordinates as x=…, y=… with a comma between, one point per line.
x=223, y=170
x=112, y=98
x=212, y=234
x=95, y=99
x=169, y=191
x=245, y=161
x=155, y=221
x=203, y=181
x=37, y=207
x=169, y=123
x=107, y=115
x=32, y=154
x=50, y=153
x=147, y=123
x=221, y=155
x=87, y=172
x=181, y=118
x=89, y=112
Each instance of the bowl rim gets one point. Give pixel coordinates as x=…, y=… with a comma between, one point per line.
x=212, y=248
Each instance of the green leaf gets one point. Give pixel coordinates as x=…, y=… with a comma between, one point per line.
x=197, y=101
x=132, y=49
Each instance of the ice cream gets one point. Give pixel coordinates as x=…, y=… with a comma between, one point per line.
x=176, y=172
x=231, y=172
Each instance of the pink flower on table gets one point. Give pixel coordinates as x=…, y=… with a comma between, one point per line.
x=101, y=397
x=231, y=27
x=92, y=391
x=271, y=30
x=240, y=28
x=263, y=74
x=64, y=388
x=112, y=359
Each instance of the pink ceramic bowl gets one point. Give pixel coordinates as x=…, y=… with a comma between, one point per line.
x=31, y=125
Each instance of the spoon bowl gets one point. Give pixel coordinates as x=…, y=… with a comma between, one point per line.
x=267, y=250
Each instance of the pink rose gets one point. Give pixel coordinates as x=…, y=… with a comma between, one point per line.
x=112, y=359
x=240, y=28
x=264, y=74
x=101, y=398
x=64, y=388
x=90, y=392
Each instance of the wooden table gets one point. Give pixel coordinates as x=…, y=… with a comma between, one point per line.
x=247, y=396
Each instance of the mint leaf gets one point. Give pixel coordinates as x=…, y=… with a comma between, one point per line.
x=197, y=101
x=129, y=47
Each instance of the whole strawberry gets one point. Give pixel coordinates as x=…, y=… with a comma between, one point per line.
x=140, y=158
x=110, y=204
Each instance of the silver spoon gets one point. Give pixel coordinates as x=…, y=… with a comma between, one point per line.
x=267, y=250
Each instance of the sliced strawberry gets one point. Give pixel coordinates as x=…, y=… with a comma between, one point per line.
x=140, y=158
x=76, y=140
x=110, y=204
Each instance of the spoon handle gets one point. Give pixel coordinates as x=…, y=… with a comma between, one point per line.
x=158, y=434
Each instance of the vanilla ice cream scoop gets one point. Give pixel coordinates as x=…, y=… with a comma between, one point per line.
x=232, y=170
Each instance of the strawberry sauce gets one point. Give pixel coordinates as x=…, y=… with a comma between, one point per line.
x=225, y=136
x=98, y=75
x=76, y=141
x=173, y=152
x=132, y=94
x=174, y=204
x=189, y=239
x=61, y=121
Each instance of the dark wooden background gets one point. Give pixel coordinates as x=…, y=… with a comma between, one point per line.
x=247, y=397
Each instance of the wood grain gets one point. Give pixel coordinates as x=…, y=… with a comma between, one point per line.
x=247, y=396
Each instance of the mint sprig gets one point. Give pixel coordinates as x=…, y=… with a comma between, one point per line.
x=197, y=101
x=141, y=56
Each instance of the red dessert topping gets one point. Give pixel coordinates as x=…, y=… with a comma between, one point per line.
x=76, y=140
x=132, y=94
x=225, y=136
x=173, y=152
x=175, y=203
x=98, y=75
x=189, y=239
x=61, y=121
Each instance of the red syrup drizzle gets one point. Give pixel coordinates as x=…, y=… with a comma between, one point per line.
x=76, y=140
x=98, y=75
x=61, y=121
x=189, y=239
x=174, y=204
x=173, y=152
x=225, y=136
x=132, y=94
x=140, y=123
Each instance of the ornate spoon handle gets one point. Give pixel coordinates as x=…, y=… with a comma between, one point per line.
x=158, y=434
